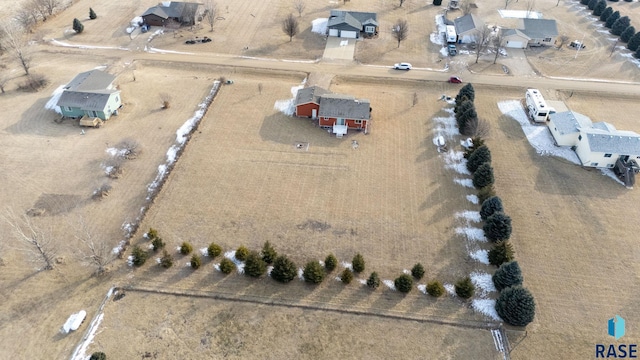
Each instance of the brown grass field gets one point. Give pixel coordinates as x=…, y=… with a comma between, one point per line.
x=241, y=181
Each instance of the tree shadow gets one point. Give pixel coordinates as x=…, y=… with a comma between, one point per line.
x=37, y=120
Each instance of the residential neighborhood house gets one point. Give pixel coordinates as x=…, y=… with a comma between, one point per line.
x=334, y=111
x=514, y=38
x=183, y=13
x=91, y=94
x=351, y=24
x=468, y=28
x=597, y=144
x=541, y=32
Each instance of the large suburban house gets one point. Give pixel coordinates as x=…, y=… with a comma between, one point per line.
x=335, y=112
x=541, y=32
x=351, y=24
x=468, y=28
x=183, y=13
x=91, y=94
x=597, y=144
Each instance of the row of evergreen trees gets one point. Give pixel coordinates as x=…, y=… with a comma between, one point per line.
x=619, y=25
x=515, y=303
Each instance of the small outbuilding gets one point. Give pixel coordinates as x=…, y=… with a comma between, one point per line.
x=91, y=94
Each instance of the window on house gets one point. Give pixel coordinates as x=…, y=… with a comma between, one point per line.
x=547, y=39
x=358, y=122
x=610, y=165
x=594, y=164
x=579, y=137
x=68, y=108
x=369, y=29
x=607, y=155
x=117, y=98
x=93, y=113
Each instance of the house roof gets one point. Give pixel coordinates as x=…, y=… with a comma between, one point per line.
x=344, y=106
x=89, y=90
x=86, y=101
x=508, y=33
x=539, y=28
x=467, y=23
x=173, y=9
x=90, y=81
x=310, y=95
x=355, y=19
x=623, y=143
x=569, y=122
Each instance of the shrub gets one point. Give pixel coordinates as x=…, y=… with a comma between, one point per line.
x=330, y=263
x=358, y=263
x=490, y=206
x=313, y=272
x=516, y=306
x=186, y=248
x=373, y=281
x=157, y=243
x=627, y=34
x=214, y=250
x=465, y=288
x=501, y=253
x=620, y=25
x=417, y=271
x=166, y=261
x=227, y=266
x=497, y=227
x=92, y=14
x=606, y=13
x=346, y=276
x=33, y=83
x=196, y=261
x=508, y=274
x=599, y=8
x=98, y=356
x=269, y=254
x=242, y=252
x=437, y=2
x=483, y=176
x=254, y=265
x=612, y=19
x=592, y=4
x=485, y=193
x=77, y=26
x=152, y=234
x=435, y=288
x=480, y=155
x=284, y=270
x=139, y=256
x=403, y=283
x=634, y=42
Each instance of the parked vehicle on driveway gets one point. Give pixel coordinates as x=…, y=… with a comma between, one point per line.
x=455, y=80
x=577, y=44
x=452, y=50
x=402, y=66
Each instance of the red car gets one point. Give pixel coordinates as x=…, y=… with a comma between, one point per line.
x=455, y=80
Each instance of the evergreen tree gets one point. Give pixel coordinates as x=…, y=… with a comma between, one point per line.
x=485, y=193
x=606, y=13
x=358, y=263
x=77, y=26
x=313, y=272
x=637, y=53
x=330, y=262
x=417, y=271
x=214, y=250
x=269, y=254
x=516, y=306
x=620, y=25
x=483, y=176
x=92, y=14
x=480, y=156
x=466, y=93
x=501, y=253
x=186, y=248
x=469, y=123
x=435, y=288
x=346, y=277
x=508, y=274
x=584, y=2
x=592, y=4
x=599, y=8
x=196, y=261
x=254, y=265
x=139, y=256
x=497, y=227
x=98, y=356
x=227, y=266
x=284, y=270
x=612, y=19
x=465, y=288
x=241, y=253
x=403, y=283
x=151, y=234
x=373, y=281
x=490, y=206
x=627, y=34
x=477, y=143
x=166, y=261
x=157, y=243
x=634, y=42
x=437, y=2
x=464, y=107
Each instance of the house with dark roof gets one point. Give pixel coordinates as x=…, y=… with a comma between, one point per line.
x=468, y=27
x=91, y=94
x=541, y=32
x=597, y=144
x=335, y=112
x=351, y=24
x=183, y=13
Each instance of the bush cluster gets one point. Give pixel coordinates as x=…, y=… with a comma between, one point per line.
x=186, y=248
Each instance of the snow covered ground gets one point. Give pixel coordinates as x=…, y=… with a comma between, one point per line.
x=319, y=26
x=519, y=14
x=287, y=106
x=55, y=96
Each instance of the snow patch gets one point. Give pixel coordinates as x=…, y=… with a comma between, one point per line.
x=519, y=14
x=483, y=281
x=319, y=26
x=118, y=249
x=301, y=274
x=347, y=265
x=80, y=354
x=437, y=37
x=422, y=288
x=287, y=106
x=486, y=307
x=611, y=174
x=204, y=251
x=455, y=160
x=464, y=182
x=52, y=104
x=472, y=233
x=362, y=281
x=446, y=126
x=451, y=290
x=473, y=199
x=480, y=256
x=231, y=255
x=390, y=284
x=130, y=260
x=473, y=216
x=269, y=270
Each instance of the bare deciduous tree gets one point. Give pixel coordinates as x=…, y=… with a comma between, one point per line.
x=465, y=7
x=95, y=251
x=401, y=2
x=49, y=5
x=211, y=12
x=260, y=88
x=25, y=19
x=531, y=4
x=38, y=243
x=507, y=2
x=483, y=129
x=299, y=5
x=562, y=40
x=38, y=6
x=497, y=39
x=400, y=30
x=13, y=40
x=482, y=41
x=290, y=26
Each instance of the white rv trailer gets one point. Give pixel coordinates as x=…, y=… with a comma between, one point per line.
x=536, y=106
x=452, y=37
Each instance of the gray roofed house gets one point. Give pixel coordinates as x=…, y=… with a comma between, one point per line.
x=613, y=142
x=310, y=94
x=570, y=122
x=181, y=12
x=514, y=38
x=352, y=23
x=468, y=28
x=92, y=94
x=541, y=31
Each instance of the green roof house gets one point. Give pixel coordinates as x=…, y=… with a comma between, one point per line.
x=91, y=94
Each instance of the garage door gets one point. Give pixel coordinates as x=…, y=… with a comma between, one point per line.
x=515, y=44
x=333, y=32
x=348, y=34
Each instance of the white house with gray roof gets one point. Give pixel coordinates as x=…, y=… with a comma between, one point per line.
x=350, y=24
x=468, y=27
x=92, y=94
x=541, y=32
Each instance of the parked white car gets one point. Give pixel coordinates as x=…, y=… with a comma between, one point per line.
x=402, y=66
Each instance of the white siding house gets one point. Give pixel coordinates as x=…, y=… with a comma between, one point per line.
x=565, y=127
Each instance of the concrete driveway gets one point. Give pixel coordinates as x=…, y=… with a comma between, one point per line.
x=339, y=48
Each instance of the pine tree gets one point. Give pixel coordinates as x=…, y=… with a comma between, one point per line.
x=592, y=4
x=483, y=176
x=469, y=123
x=330, y=262
x=497, y=227
x=501, y=253
x=77, y=26
x=480, y=156
x=490, y=206
x=417, y=271
x=186, y=248
x=157, y=243
x=358, y=263
x=435, y=288
x=214, y=250
x=612, y=19
x=313, y=272
x=196, y=261
x=477, y=142
x=373, y=282
x=92, y=14
x=227, y=266
x=346, y=277
x=254, y=265
x=465, y=288
x=508, y=274
x=269, y=254
x=139, y=256
x=98, y=356
x=485, y=193
x=403, y=283
x=599, y=8
x=437, y=2
x=620, y=25
x=634, y=42
x=166, y=261
x=516, y=306
x=637, y=53
x=464, y=107
x=284, y=270
x=627, y=34
x=584, y=2
x=242, y=252
x=606, y=13
x=466, y=93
